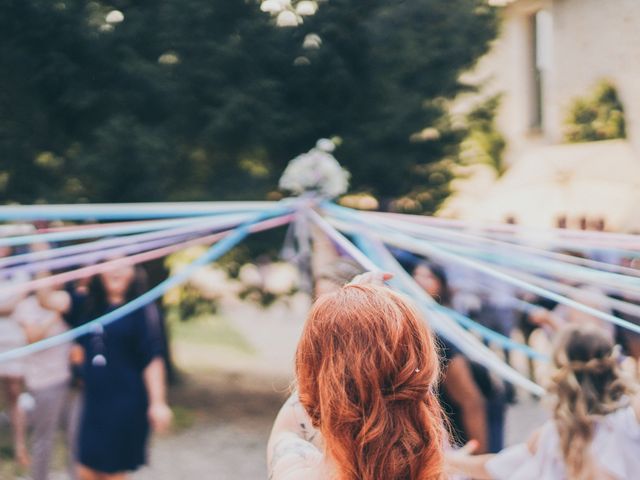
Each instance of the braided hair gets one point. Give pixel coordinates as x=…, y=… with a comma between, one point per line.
x=586, y=385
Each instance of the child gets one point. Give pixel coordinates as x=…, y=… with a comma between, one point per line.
x=595, y=430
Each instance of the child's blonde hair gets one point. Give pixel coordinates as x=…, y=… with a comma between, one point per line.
x=587, y=384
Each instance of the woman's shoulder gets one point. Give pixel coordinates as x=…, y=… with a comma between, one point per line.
x=294, y=458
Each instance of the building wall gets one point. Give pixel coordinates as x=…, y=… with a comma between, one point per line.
x=590, y=40
x=594, y=40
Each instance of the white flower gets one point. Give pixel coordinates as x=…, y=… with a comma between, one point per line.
x=114, y=16
x=271, y=6
x=210, y=281
x=324, y=143
x=316, y=171
x=306, y=7
x=287, y=18
x=250, y=275
x=280, y=278
x=313, y=41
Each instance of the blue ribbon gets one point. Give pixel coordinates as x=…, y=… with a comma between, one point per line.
x=215, y=252
x=485, y=332
x=440, y=252
x=83, y=234
x=130, y=211
x=502, y=340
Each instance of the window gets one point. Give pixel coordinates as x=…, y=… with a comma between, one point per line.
x=541, y=48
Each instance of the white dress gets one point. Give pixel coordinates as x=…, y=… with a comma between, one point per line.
x=615, y=449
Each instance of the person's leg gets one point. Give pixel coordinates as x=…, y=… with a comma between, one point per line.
x=13, y=389
x=495, y=414
x=86, y=473
x=49, y=405
x=72, y=416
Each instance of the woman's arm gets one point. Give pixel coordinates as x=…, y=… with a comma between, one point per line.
x=290, y=451
x=159, y=412
x=460, y=387
x=460, y=462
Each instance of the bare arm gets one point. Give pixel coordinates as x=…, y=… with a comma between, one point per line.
x=462, y=462
x=290, y=451
x=155, y=382
x=462, y=390
x=472, y=466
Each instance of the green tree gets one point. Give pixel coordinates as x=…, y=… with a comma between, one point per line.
x=208, y=99
x=484, y=142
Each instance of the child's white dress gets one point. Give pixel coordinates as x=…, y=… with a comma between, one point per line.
x=615, y=450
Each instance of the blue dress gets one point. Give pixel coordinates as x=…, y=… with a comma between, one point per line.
x=114, y=428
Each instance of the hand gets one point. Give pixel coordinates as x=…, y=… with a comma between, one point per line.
x=371, y=278
x=469, y=448
x=160, y=416
x=539, y=317
x=455, y=457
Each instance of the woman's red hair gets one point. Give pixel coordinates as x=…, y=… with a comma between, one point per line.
x=367, y=369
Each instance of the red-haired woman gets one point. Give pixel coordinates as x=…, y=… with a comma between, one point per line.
x=366, y=406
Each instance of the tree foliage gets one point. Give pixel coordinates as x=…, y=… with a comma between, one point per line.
x=599, y=116
x=484, y=143
x=208, y=99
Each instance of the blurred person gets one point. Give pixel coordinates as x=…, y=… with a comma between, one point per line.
x=12, y=372
x=591, y=297
x=595, y=430
x=496, y=311
x=366, y=406
x=554, y=318
x=629, y=340
x=47, y=374
x=531, y=322
x=562, y=222
x=473, y=402
x=124, y=380
x=78, y=292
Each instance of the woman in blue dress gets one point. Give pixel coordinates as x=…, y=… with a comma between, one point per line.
x=124, y=380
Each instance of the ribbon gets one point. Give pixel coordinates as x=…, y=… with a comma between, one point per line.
x=128, y=211
x=405, y=242
x=212, y=254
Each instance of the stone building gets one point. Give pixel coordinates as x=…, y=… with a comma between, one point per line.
x=553, y=51
x=548, y=54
